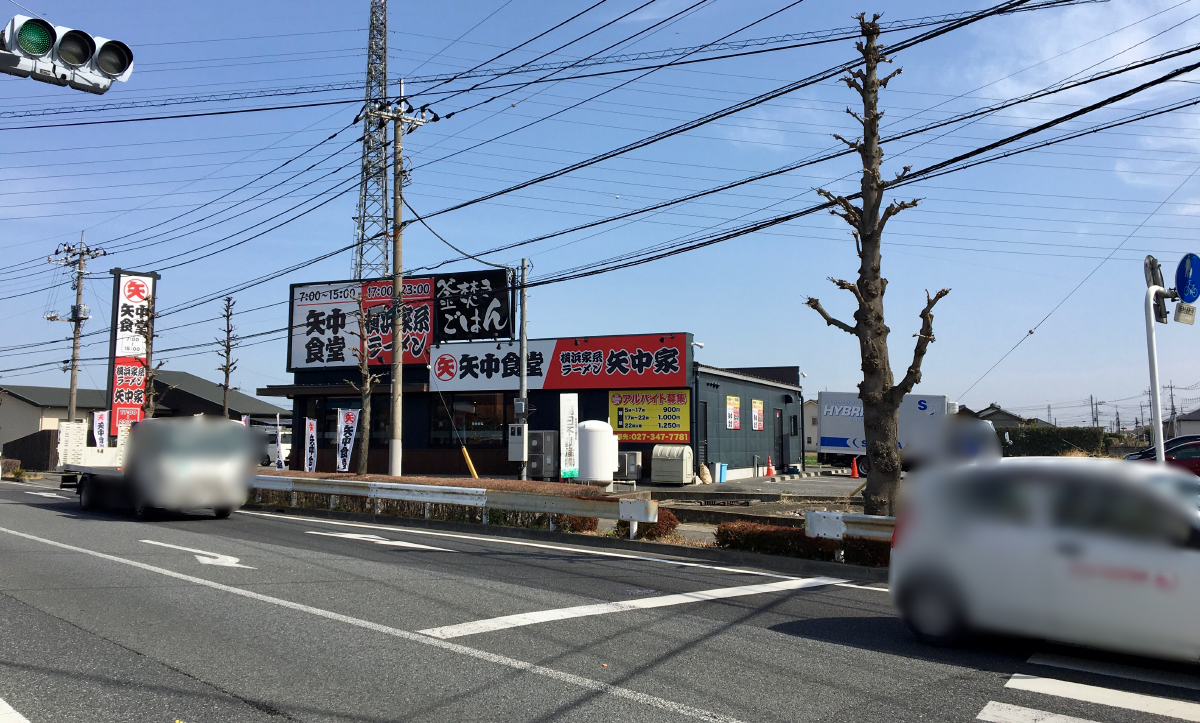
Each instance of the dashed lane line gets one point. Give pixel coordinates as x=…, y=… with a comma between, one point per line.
x=1116, y=670
x=45, y=494
x=1005, y=713
x=377, y=540
x=8, y=715
x=1168, y=707
x=648, y=603
x=568, y=678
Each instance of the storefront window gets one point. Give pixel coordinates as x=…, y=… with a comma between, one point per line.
x=475, y=419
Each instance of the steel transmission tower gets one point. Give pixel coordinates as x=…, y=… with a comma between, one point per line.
x=371, y=258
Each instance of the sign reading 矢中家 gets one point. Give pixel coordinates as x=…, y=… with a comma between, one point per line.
x=651, y=415
x=347, y=427
x=133, y=296
x=100, y=428
x=643, y=361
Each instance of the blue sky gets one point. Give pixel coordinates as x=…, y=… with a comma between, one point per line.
x=1011, y=238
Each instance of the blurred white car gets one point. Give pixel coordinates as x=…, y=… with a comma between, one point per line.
x=1103, y=553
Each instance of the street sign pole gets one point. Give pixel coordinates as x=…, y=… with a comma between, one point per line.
x=1152, y=351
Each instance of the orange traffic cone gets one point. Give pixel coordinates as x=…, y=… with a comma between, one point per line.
x=770, y=467
x=854, y=468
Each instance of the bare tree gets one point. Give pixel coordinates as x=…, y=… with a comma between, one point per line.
x=145, y=327
x=227, y=345
x=880, y=395
x=361, y=352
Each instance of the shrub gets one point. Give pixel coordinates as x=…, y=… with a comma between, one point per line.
x=869, y=553
x=774, y=540
x=667, y=522
x=571, y=523
x=1051, y=441
x=18, y=473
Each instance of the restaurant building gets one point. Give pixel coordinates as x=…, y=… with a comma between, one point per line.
x=459, y=390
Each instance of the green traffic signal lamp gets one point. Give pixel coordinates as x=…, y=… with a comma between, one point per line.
x=36, y=37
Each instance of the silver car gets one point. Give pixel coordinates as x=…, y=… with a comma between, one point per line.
x=1103, y=553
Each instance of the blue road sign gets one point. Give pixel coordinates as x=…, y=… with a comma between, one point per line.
x=1187, y=278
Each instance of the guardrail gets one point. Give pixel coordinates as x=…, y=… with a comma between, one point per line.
x=632, y=511
x=841, y=525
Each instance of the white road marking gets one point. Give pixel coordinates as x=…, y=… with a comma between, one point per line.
x=8, y=715
x=204, y=558
x=579, y=611
x=568, y=678
x=46, y=494
x=1116, y=670
x=377, y=540
x=522, y=543
x=1181, y=709
x=862, y=587
x=1005, y=713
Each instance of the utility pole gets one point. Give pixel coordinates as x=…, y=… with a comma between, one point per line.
x=1092, y=408
x=402, y=123
x=77, y=256
x=524, y=393
x=1174, y=432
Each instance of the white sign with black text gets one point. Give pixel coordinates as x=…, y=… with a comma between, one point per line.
x=347, y=428
x=310, y=444
x=100, y=428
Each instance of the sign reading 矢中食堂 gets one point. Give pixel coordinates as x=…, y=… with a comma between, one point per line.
x=324, y=326
x=644, y=361
x=133, y=294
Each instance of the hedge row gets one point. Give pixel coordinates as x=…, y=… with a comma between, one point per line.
x=1051, y=441
x=667, y=522
x=792, y=542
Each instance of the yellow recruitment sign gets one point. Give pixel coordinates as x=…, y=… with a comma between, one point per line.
x=651, y=415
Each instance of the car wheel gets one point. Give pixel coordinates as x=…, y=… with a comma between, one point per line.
x=932, y=611
x=87, y=493
x=222, y=512
x=142, y=511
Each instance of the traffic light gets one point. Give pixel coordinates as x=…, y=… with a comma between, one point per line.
x=33, y=48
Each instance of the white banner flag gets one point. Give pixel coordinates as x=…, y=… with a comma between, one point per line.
x=245, y=420
x=310, y=445
x=568, y=434
x=347, y=428
x=278, y=444
x=100, y=428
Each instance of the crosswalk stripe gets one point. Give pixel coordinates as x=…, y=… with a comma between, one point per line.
x=1005, y=713
x=1116, y=670
x=544, y=616
x=1180, y=709
x=8, y=715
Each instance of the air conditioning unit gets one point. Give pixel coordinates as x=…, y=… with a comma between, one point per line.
x=629, y=466
x=543, y=444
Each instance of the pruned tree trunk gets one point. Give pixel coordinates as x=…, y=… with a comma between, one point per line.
x=880, y=395
x=150, y=397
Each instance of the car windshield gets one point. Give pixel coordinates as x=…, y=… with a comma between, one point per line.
x=1188, y=488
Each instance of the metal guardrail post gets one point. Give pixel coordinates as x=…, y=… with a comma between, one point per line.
x=633, y=529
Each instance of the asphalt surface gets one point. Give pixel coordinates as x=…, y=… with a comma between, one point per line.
x=105, y=618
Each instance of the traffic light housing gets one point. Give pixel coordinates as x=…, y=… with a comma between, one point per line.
x=33, y=48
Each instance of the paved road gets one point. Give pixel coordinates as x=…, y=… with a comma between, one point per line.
x=270, y=618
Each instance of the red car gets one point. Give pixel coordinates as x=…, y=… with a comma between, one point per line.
x=1185, y=457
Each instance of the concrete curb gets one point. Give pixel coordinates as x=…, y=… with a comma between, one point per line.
x=716, y=556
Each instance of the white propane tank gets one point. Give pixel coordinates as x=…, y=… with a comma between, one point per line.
x=597, y=451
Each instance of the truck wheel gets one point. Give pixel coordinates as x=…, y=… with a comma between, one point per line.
x=142, y=511
x=87, y=493
x=222, y=512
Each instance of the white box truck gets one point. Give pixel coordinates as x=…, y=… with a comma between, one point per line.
x=840, y=425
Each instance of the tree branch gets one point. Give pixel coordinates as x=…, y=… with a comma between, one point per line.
x=815, y=304
x=924, y=337
x=884, y=80
x=847, y=286
x=851, y=213
x=894, y=208
x=854, y=145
